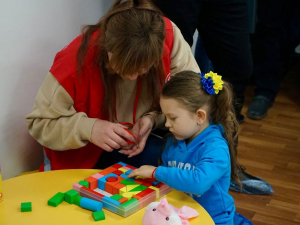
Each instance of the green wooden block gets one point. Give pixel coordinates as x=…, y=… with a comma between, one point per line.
x=26, y=207
x=139, y=188
x=56, y=199
x=116, y=197
x=70, y=196
x=128, y=207
x=128, y=182
x=99, y=215
x=84, y=183
x=77, y=200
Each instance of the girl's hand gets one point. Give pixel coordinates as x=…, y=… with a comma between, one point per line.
x=141, y=131
x=109, y=136
x=143, y=171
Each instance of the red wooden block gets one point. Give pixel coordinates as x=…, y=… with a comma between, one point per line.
x=145, y=192
x=91, y=191
x=139, y=181
x=147, y=184
x=116, y=188
x=111, y=179
x=122, y=200
x=117, y=166
x=150, y=180
x=109, y=184
x=159, y=185
x=108, y=171
x=118, y=172
x=93, y=182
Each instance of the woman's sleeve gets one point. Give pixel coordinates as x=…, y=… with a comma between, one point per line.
x=182, y=57
x=54, y=122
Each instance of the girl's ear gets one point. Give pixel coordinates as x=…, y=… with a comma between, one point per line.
x=200, y=116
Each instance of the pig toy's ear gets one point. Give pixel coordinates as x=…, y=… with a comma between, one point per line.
x=186, y=213
x=164, y=207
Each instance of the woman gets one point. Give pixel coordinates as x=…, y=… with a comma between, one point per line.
x=107, y=79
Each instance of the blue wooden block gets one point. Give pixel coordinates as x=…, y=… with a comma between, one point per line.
x=102, y=180
x=154, y=183
x=123, y=164
x=90, y=204
x=110, y=204
x=128, y=172
x=125, y=177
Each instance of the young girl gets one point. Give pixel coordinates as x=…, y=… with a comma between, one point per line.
x=200, y=159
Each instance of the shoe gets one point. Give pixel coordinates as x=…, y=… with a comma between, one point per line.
x=251, y=185
x=258, y=108
x=240, y=118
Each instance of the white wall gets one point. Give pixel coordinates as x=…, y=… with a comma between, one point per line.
x=31, y=32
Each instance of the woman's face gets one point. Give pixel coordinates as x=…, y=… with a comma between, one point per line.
x=129, y=76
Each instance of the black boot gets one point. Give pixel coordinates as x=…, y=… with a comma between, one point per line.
x=259, y=106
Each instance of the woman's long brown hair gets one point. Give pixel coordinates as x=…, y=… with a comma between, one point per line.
x=134, y=32
x=186, y=87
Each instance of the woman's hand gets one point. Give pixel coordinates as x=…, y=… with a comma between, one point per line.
x=143, y=171
x=110, y=136
x=141, y=131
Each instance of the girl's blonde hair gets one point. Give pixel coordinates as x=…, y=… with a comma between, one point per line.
x=186, y=88
x=134, y=32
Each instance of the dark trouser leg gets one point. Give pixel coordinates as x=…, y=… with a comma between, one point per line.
x=149, y=156
x=266, y=47
x=223, y=27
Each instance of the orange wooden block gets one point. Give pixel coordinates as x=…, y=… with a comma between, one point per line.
x=137, y=197
x=122, y=200
x=107, y=171
x=116, y=188
x=109, y=185
x=93, y=182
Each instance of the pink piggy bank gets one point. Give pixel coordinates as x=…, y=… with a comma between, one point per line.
x=163, y=213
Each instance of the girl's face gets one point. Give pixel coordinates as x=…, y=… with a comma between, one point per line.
x=182, y=123
x=129, y=76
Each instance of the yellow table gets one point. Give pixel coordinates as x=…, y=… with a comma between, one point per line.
x=39, y=187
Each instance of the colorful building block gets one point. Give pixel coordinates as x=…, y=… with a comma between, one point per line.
x=116, y=197
x=90, y=204
x=117, y=172
x=125, y=177
x=155, y=189
x=128, y=182
x=84, y=183
x=56, y=199
x=103, y=192
x=98, y=215
x=117, y=166
x=26, y=207
x=97, y=176
x=77, y=187
x=139, y=188
x=70, y=196
x=122, y=200
x=110, y=204
x=128, y=207
x=128, y=171
x=117, y=187
x=93, y=182
x=130, y=167
x=102, y=180
x=77, y=200
x=107, y=171
x=121, y=163
x=123, y=170
x=127, y=195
